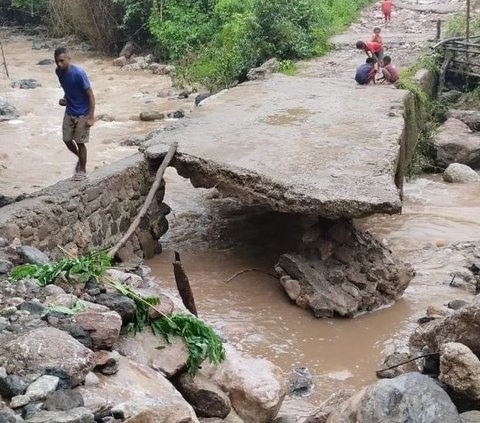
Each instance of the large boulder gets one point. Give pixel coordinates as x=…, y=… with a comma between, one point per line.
x=32, y=255
x=332, y=403
x=341, y=270
x=153, y=351
x=207, y=399
x=256, y=387
x=469, y=117
x=456, y=143
x=123, y=305
x=49, y=348
x=139, y=394
x=412, y=397
x=103, y=327
x=457, y=172
x=461, y=326
x=470, y=416
x=460, y=369
x=7, y=111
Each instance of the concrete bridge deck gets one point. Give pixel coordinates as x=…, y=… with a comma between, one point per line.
x=305, y=145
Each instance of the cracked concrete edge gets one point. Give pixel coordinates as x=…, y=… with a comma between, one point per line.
x=252, y=188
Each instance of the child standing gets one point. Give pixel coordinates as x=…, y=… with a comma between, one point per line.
x=387, y=10
x=376, y=37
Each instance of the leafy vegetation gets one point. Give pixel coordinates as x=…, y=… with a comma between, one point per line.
x=434, y=113
x=202, y=342
x=93, y=264
x=69, y=311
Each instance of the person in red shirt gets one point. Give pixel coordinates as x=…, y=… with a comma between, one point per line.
x=387, y=10
x=389, y=71
x=372, y=49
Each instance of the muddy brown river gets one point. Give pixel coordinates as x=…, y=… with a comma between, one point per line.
x=218, y=237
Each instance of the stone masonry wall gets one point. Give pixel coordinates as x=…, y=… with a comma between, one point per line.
x=94, y=213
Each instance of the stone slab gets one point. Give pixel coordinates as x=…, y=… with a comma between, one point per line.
x=294, y=144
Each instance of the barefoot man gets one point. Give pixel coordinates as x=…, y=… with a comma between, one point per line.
x=79, y=114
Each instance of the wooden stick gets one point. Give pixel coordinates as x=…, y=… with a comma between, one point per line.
x=405, y=362
x=4, y=59
x=250, y=270
x=156, y=184
x=183, y=285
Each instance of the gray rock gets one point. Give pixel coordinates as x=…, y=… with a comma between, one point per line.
x=33, y=307
x=46, y=348
x=412, y=397
x=7, y=416
x=43, y=386
x=31, y=409
x=469, y=117
x=200, y=97
x=460, y=369
x=460, y=326
x=457, y=304
x=342, y=271
x=450, y=96
x=5, y=266
x=124, y=306
x=12, y=385
x=77, y=415
x=53, y=290
x=271, y=65
x=158, y=69
x=127, y=50
x=207, y=399
x=33, y=255
x=63, y=400
x=107, y=362
x=26, y=84
x=45, y=62
x=19, y=401
x=395, y=359
x=457, y=172
x=120, y=61
x=455, y=143
x=7, y=112
x=470, y=416
x=256, y=73
x=91, y=379
x=149, y=116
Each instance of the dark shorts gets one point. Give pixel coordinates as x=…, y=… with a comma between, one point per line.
x=75, y=129
x=380, y=55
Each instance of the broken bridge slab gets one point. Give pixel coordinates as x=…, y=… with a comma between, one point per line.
x=321, y=146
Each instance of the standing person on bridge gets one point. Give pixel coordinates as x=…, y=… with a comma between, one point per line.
x=80, y=109
x=387, y=11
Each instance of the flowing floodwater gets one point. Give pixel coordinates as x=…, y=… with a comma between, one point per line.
x=219, y=237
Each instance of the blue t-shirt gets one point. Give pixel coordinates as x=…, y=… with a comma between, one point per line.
x=75, y=83
x=363, y=73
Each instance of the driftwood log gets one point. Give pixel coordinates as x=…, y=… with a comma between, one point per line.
x=151, y=194
x=183, y=285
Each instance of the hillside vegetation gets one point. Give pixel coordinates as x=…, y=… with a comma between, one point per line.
x=213, y=42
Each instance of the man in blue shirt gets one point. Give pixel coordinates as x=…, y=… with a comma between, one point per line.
x=366, y=72
x=80, y=109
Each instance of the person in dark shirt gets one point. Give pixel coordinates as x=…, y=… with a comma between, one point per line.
x=366, y=72
x=80, y=109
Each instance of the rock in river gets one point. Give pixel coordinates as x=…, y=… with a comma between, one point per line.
x=26, y=84
x=457, y=172
x=412, y=397
x=7, y=111
x=255, y=386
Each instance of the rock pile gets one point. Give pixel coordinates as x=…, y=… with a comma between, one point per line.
x=65, y=359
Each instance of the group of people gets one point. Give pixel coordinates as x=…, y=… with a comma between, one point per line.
x=377, y=62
